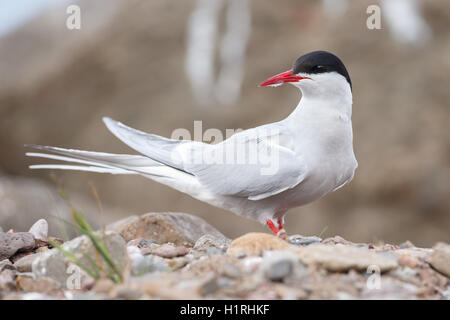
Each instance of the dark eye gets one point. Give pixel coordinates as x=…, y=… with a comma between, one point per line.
x=318, y=68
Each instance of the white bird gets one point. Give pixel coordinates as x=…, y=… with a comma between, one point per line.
x=259, y=173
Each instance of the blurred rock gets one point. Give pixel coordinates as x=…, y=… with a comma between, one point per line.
x=6, y=264
x=178, y=228
x=24, y=264
x=207, y=241
x=141, y=264
x=39, y=229
x=300, y=240
x=277, y=265
x=54, y=264
x=141, y=243
x=7, y=280
x=166, y=250
x=255, y=244
x=440, y=258
x=339, y=258
x=42, y=285
x=10, y=243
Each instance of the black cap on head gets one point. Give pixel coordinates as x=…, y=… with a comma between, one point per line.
x=320, y=62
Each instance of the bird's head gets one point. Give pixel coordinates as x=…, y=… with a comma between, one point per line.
x=315, y=73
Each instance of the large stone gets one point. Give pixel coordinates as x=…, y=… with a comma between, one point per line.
x=440, y=258
x=10, y=243
x=178, y=228
x=54, y=264
x=256, y=243
x=343, y=257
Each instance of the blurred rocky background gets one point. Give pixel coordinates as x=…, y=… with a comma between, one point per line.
x=159, y=65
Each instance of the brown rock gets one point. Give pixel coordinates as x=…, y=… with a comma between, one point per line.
x=342, y=258
x=255, y=243
x=440, y=258
x=178, y=228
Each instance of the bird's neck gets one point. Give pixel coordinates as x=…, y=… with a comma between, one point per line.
x=332, y=103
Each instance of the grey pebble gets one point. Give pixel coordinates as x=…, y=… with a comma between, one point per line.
x=300, y=240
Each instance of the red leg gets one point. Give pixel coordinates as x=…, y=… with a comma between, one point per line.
x=272, y=226
x=280, y=223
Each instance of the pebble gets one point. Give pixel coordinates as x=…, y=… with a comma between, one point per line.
x=255, y=243
x=141, y=243
x=277, y=265
x=42, y=285
x=7, y=280
x=210, y=241
x=167, y=250
x=6, y=264
x=231, y=271
x=141, y=264
x=344, y=257
x=39, y=229
x=24, y=263
x=440, y=258
x=300, y=240
x=10, y=243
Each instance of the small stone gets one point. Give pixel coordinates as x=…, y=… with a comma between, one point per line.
x=125, y=293
x=178, y=228
x=231, y=271
x=277, y=265
x=42, y=285
x=214, y=251
x=343, y=257
x=6, y=264
x=141, y=264
x=141, y=243
x=300, y=240
x=24, y=263
x=103, y=285
x=406, y=245
x=440, y=258
x=177, y=263
x=208, y=240
x=167, y=251
x=255, y=244
x=54, y=264
x=10, y=243
x=7, y=280
x=213, y=284
x=39, y=229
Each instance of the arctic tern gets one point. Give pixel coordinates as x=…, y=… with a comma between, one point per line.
x=298, y=159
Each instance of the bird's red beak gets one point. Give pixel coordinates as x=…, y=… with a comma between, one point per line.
x=281, y=78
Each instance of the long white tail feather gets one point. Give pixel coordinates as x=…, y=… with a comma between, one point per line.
x=116, y=164
x=81, y=168
x=62, y=158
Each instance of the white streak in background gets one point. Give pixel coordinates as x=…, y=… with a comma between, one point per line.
x=232, y=51
x=335, y=8
x=201, y=38
x=202, y=33
x=405, y=22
